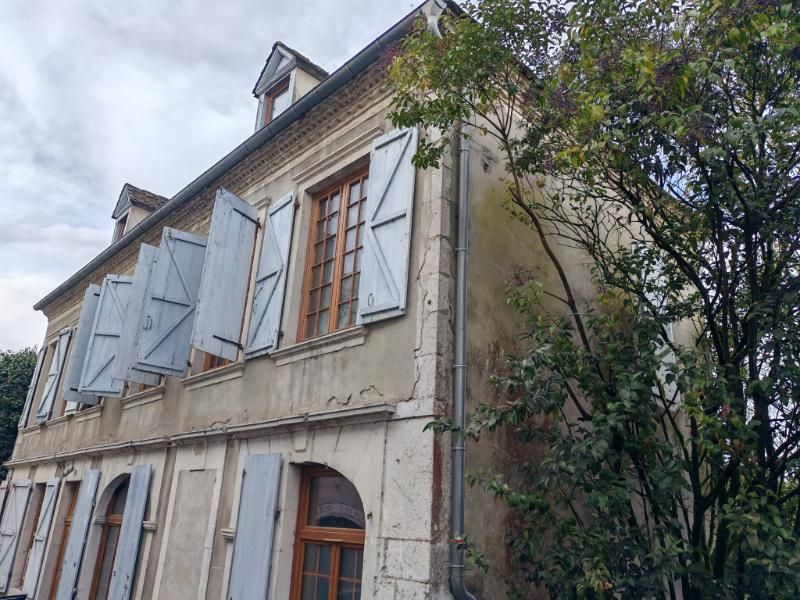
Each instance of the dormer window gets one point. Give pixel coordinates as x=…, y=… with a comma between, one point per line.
x=277, y=100
x=286, y=77
x=133, y=206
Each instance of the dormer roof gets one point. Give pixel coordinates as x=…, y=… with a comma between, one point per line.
x=281, y=60
x=134, y=196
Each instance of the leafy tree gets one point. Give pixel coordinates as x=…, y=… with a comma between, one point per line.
x=16, y=370
x=662, y=139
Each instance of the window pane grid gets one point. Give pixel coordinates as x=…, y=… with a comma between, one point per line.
x=334, y=263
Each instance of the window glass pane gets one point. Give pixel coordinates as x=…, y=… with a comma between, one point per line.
x=330, y=246
x=119, y=499
x=327, y=273
x=348, y=263
x=352, y=215
x=311, y=325
x=334, y=502
x=107, y=560
x=345, y=590
x=344, y=316
x=280, y=102
x=311, y=558
x=326, y=297
x=308, y=588
x=324, y=560
x=333, y=223
x=322, y=588
x=322, y=324
x=346, y=289
x=350, y=240
x=355, y=193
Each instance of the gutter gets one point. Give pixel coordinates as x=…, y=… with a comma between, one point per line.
x=338, y=79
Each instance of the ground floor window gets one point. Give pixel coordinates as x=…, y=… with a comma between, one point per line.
x=71, y=492
x=111, y=523
x=329, y=549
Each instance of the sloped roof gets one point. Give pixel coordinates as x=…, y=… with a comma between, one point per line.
x=134, y=196
x=271, y=66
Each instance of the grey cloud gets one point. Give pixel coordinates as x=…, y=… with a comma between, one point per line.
x=94, y=93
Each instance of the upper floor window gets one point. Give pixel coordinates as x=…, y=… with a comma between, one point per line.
x=277, y=100
x=329, y=550
x=333, y=266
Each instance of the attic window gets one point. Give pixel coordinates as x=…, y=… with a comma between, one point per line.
x=119, y=230
x=277, y=100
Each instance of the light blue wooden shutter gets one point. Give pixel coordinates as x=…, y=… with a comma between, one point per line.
x=226, y=274
x=26, y=409
x=80, y=345
x=40, y=535
x=54, y=376
x=170, y=308
x=123, y=367
x=270, y=283
x=96, y=377
x=130, y=532
x=387, y=233
x=255, y=526
x=19, y=493
x=81, y=518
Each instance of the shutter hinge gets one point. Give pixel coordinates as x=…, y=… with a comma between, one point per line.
x=248, y=217
x=296, y=203
x=222, y=339
x=280, y=333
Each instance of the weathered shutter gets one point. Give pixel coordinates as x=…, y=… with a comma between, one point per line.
x=255, y=526
x=96, y=377
x=169, y=311
x=123, y=367
x=16, y=504
x=387, y=233
x=79, y=346
x=54, y=376
x=26, y=409
x=130, y=532
x=40, y=535
x=270, y=283
x=226, y=273
x=81, y=517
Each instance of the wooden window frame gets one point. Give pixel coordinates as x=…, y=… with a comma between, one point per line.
x=74, y=487
x=343, y=185
x=335, y=537
x=269, y=97
x=32, y=534
x=107, y=521
x=119, y=228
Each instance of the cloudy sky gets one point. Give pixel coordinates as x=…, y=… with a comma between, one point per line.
x=96, y=93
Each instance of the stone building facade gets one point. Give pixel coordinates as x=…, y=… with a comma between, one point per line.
x=231, y=399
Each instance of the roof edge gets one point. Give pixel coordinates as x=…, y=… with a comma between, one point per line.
x=335, y=81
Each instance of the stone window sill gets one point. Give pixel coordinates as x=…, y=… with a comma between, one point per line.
x=88, y=414
x=153, y=394
x=333, y=342
x=214, y=376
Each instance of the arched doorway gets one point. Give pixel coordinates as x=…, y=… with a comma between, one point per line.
x=110, y=523
x=329, y=548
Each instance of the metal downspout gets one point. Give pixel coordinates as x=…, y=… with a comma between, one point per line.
x=457, y=554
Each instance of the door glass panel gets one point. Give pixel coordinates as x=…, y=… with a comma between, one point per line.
x=108, y=560
x=334, y=502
